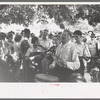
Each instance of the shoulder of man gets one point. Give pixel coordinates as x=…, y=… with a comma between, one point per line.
x=71, y=46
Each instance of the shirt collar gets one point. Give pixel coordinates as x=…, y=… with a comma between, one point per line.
x=25, y=38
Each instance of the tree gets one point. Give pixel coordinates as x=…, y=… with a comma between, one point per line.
x=19, y=14
x=60, y=13
x=71, y=13
x=26, y=14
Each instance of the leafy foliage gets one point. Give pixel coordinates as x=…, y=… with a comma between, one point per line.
x=19, y=14
x=26, y=14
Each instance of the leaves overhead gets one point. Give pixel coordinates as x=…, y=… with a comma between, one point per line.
x=19, y=14
x=26, y=14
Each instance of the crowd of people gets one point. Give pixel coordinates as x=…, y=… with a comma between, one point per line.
x=61, y=54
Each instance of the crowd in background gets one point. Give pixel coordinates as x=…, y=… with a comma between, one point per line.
x=70, y=52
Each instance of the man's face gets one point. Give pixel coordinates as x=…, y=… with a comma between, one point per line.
x=44, y=35
x=89, y=33
x=78, y=38
x=55, y=41
x=65, y=36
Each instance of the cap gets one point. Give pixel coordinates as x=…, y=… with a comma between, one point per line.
x=77, y=32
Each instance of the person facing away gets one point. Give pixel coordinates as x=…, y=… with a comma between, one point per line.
x=66, y=59
x=25, y=45
x=82, y=50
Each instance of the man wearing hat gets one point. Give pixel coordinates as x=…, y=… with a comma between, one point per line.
x=82, y=50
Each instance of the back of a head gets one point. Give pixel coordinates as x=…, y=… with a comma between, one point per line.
x=18, y=38
x=26, y=33
x=50, y=36
x=34, y=40
x=24, y=46
x=10, y=35
x=2, y=36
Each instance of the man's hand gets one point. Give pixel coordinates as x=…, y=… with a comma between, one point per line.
x=51, y=66
x=86, y=58
x=60, y=63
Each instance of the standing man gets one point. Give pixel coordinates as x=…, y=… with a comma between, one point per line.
x=93, y=47
x=66, y=61
x=82, y=50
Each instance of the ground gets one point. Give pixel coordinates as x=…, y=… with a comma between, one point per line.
x=6, y=74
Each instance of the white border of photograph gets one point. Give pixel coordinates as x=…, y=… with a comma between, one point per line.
x=49, y=90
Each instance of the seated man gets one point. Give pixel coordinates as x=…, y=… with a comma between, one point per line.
x=66, y=59
x=48, y=59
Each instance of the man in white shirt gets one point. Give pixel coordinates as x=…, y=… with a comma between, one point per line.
x=82, y=50
x=66, y=59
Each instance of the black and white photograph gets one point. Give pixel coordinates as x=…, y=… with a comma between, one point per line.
x=42, y=43
x=50, y=49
